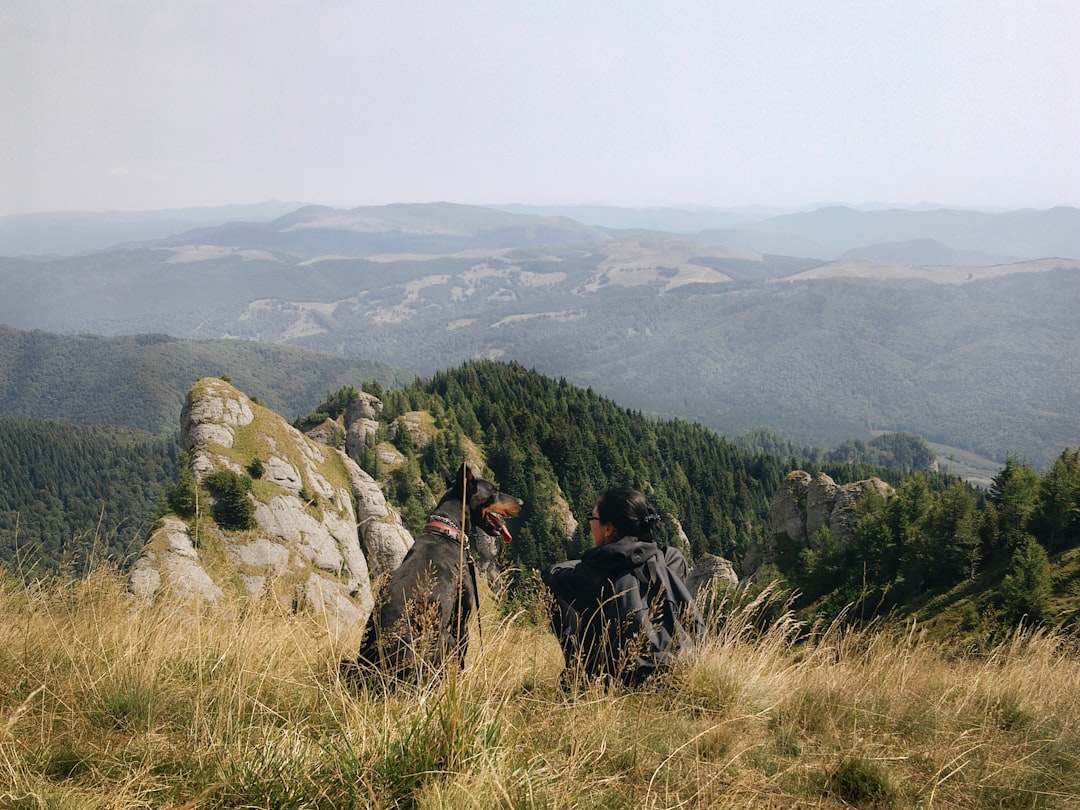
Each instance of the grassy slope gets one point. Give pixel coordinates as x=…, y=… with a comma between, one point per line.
x=968, y=609
x=109, y=704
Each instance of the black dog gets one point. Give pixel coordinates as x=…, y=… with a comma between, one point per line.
x=421, y=620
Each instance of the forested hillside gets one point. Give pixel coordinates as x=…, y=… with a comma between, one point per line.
x=547, y=440
x=991, y=558
x=67, y=491
x=140, y=381
x=1004, y=554
x=552, y=443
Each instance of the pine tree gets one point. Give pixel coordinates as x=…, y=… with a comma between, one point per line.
x=1015, y=494
x=1056, y=521
x=1027, y=588
x=953, y=536
x=910, y=511
x=183, y=495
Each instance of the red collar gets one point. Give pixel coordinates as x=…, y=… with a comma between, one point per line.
x=442, y=526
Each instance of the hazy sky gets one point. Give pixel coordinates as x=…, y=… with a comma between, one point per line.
x=134, y=104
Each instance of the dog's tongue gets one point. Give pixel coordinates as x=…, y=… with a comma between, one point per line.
x=498, y=528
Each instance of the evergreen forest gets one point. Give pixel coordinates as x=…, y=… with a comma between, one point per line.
x=70, y=492
x=546, y=439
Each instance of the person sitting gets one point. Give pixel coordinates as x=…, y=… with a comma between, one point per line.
x=623, y=611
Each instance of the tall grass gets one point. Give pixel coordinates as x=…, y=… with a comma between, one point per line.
x=106, y=702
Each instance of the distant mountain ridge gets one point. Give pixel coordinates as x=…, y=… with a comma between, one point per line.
x=830, y=232
x=822, y=233
x=1013, y=235
x=979, y=357
x=70, y=232
x=922, y=252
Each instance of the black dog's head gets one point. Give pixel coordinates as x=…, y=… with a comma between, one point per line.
x=487, y=505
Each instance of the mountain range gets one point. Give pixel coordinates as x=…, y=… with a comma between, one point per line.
x=826, y=325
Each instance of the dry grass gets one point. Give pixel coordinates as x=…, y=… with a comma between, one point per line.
x=107, y=703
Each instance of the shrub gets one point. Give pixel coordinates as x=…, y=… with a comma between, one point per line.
x=860, y=782
x=232, y=509
x=313, y=419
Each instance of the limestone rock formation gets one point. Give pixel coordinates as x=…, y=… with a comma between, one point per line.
x=711, y=571
x=361, y=422
x=805, y=504
x=170, y=557
x=310, y=546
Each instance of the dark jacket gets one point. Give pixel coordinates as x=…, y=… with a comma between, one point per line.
x=624, y=609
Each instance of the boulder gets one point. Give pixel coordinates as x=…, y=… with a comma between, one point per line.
x=330, y=432
x=365, y=406
x=711, y=571
x=169, y=561
x=359, y=434
x=388, y=456
x=485, y=549
x=787, y=512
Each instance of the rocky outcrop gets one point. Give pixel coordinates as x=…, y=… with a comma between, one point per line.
x=361, y=422
x=388, y=456
x=330, y=432
x=803, y=506
x=355, y=428
x=322, y=527
x=170, y=558
x=418, y=424
x=711, y=571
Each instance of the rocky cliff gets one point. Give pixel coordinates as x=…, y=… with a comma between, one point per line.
x=321, y=528
x=806, y=504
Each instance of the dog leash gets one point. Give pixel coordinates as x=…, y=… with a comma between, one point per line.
x=461, y=553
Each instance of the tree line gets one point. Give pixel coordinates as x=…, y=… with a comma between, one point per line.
x=68, y=491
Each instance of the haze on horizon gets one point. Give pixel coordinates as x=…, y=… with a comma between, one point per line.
x=119, y=105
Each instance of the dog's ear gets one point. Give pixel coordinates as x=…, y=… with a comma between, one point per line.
x=466, y=475
x=462, y=479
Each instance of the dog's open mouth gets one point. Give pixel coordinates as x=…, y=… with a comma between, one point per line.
x=495, y=527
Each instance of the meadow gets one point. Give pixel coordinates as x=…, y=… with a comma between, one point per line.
x=106, y=702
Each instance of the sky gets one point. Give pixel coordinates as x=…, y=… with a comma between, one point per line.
x=132, y=105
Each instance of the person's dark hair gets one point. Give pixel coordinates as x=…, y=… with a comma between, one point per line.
x=630, y=512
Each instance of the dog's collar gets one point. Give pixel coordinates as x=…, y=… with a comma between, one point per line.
x=444, y=526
